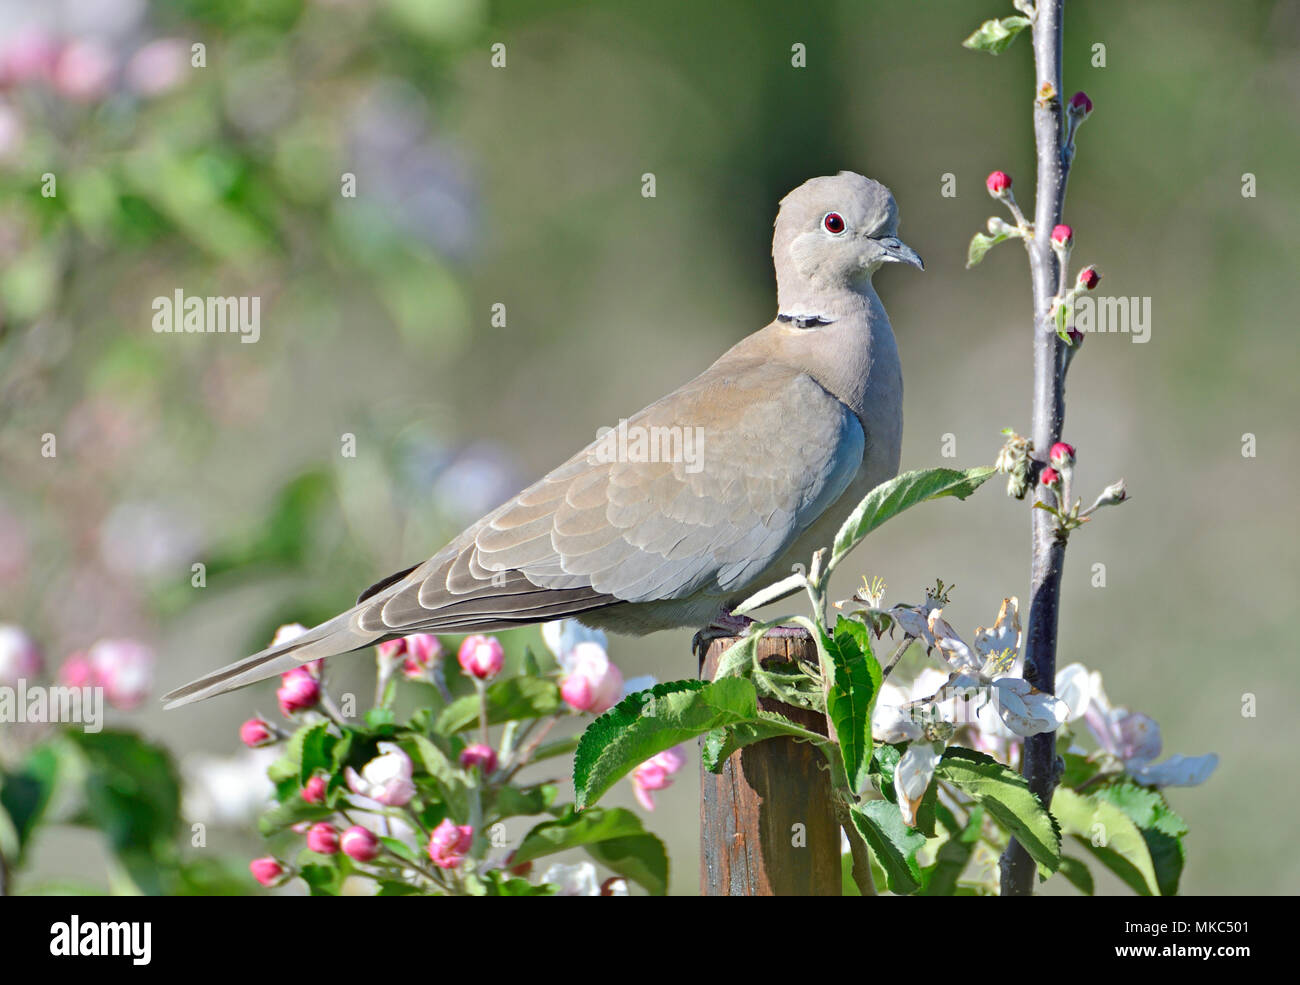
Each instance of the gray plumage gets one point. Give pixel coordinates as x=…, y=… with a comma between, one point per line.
x=798, y=421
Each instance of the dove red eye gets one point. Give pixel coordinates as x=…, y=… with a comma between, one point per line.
x=834, y=223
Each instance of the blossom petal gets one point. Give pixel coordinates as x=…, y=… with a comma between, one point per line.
x=1026, y=710
x=912, y=777
x=1005, y=634
x=1176, y=771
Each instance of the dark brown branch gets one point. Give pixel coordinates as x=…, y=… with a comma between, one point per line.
x=1048, y=551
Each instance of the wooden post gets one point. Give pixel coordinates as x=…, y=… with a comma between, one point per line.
x=767, y=821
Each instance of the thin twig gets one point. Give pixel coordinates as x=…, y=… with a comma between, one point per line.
x=1048, y=551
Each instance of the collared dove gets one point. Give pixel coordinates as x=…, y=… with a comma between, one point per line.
x=795, y=424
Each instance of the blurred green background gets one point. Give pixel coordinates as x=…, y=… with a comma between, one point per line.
x=521, y=185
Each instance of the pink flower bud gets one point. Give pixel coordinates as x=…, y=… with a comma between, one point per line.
x=1062, y=455
x=124, y=668
x=390, y=650
x=1089, y=278
x=298, y=691
x=84, y=70
x=656, y=773
x=20, y=657
x=1075, y=336
x=423, y=648
x=481, y=656
x=267, y=870
x=323, y=838
x=1050, y=477
x=77, y=671
x=360, y=843
x=480, y=755
x=1062, y=235
x=313, y=791
x=593, y=684
x=255, y=732
x=449, y=843
x=29, y=56
x=1080, y=104
x=998, y=183
x=158, y=67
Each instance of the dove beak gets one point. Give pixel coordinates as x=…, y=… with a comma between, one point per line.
x=898, y=251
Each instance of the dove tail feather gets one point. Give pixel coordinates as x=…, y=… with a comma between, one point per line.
x=338, y=635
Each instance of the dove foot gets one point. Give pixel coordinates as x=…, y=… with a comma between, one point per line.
x=728, y=624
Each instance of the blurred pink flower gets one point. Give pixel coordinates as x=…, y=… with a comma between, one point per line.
x=593, y=683
x=255, y=732
x=313, y=791
x=298, y=691
x=450, y=843
x=360, y=844
x=20, y=657
x=12, y=132
x=423, y=651
x=656, y=773
x=158, y=67
x=481, y=656
x=267, y=870
x=323, y=838
x=84, y=70
x=480, y=755
x=28, y=56
x=124, y=669
x=77, y=671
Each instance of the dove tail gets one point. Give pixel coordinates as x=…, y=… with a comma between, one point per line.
x=338, y=635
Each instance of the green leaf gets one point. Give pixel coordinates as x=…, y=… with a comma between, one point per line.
x=316, y=750
x=450, y=783
x=641, y=858
x=1161, y=828
x=1006, y=796
x=516, y=802
x=291, y=812
x=795, y=688
x=980, y=244
x=739, y=659
x=1062, y=319
x=322, y=880
x=614, y=837
x=1077, y=873
x=892, y=842
x=26, y=793
x=853, y=682
x=996, y=36
x=649, y=722
x=953, y=855
x=399, y=848
x=508, y=700
x=133, y=795
x=1119, y=846
x=1079, y=769
x=722, y=742
x=890, y=498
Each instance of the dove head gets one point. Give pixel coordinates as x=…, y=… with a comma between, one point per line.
x=832, y=234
